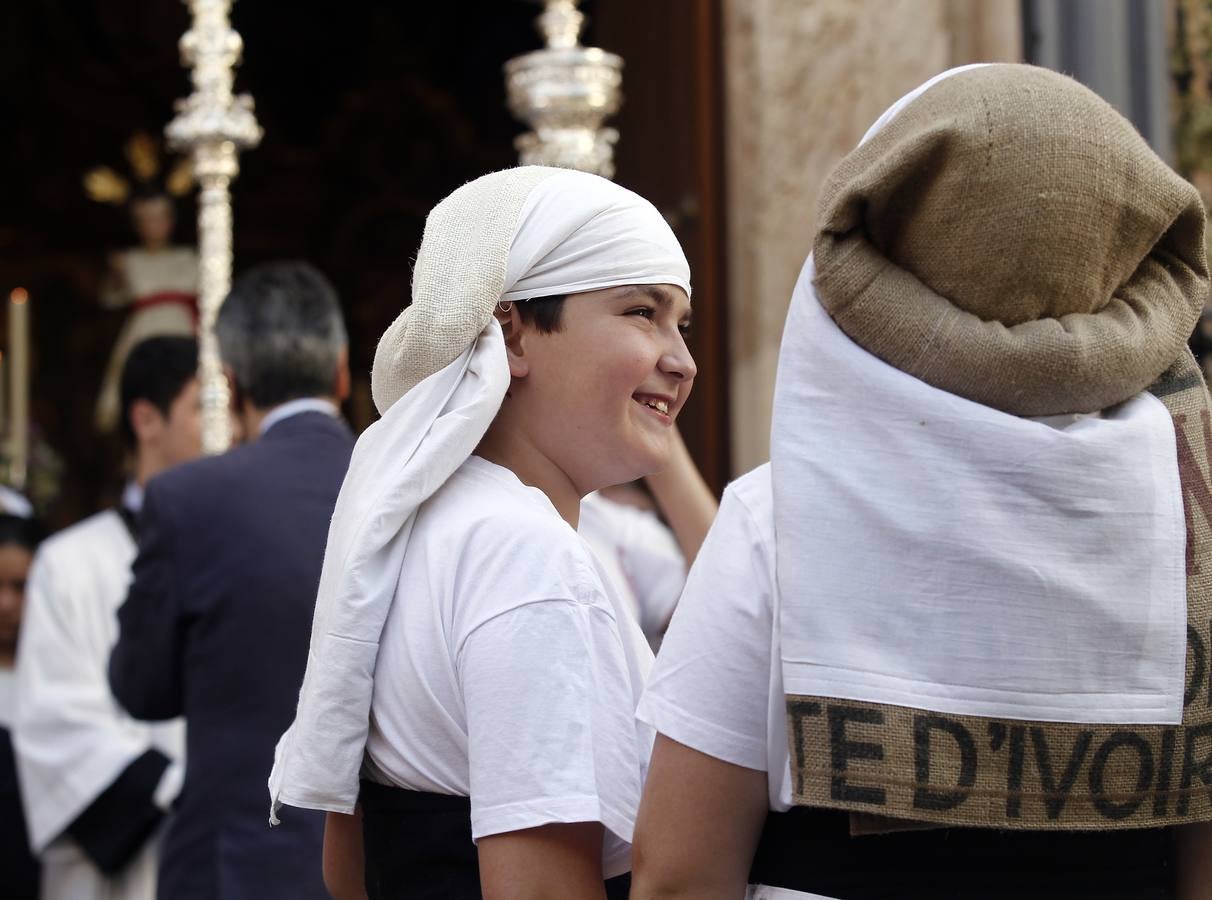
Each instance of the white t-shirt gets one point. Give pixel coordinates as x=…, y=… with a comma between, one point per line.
x=638, y=556
x=507, y=672
x=717, y=685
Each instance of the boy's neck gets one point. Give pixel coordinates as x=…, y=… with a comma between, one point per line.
x=508, y=448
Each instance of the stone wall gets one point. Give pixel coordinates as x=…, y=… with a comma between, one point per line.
x=803, y=81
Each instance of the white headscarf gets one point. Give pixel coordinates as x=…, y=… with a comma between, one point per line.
x=439, y=378
x=940, y=554
x=15, y=504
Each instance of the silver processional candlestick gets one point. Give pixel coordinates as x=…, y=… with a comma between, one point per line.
x=565, y=92
x=213, y=125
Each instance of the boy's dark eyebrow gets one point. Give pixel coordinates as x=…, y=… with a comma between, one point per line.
x=652, y=292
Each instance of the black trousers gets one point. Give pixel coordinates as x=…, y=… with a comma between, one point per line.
x=811, y=850
x=418, y=847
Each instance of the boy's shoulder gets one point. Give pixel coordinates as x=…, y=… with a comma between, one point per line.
x=505, y=539
x=755, y=490
x=98, y=535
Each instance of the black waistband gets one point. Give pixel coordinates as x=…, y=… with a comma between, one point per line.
x=384, y=798
x=811, y=850
x=418, y=846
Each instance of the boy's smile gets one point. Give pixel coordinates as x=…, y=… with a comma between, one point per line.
x=658, y=404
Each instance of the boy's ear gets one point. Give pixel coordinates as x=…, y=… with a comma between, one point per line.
x=515, y=340
x=146, y=421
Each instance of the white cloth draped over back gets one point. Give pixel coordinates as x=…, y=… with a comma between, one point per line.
x=517, y=234
x=936, y=553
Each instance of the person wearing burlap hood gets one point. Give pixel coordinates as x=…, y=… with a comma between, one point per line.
x=468, y=660
x=971, y=591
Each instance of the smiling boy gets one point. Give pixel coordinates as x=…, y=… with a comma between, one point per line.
x=467, y=658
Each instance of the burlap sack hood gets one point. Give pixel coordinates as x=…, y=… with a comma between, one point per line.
x=1006, y=238
x=925, y=228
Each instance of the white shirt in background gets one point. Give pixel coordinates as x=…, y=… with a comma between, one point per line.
x=639, y=557
x=71, y=737
x=8, y=696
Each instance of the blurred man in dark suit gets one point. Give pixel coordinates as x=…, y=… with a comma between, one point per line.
x=218, y=618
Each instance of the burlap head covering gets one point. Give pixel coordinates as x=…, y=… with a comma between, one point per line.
x=1010, y=238
x=1003, y=237
x=457, y=280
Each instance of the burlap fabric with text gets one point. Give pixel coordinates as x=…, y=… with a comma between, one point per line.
x=1009, y=238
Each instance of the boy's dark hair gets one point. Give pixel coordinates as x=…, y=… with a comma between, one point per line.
x=156, y=370
x=542, y=312
x=22, y=531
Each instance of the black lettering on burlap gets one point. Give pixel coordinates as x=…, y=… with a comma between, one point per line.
x=842, y=750
x=1098, y=770
x=997, y=735
x=1014, y=772
x=801, y=710
x=1199, y=664
x=1191, y=769
x=1194, y=482
x=1056, y=793
x=1165, y=771
x=927, y=797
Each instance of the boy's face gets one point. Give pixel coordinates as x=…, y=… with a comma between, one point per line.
x=601, y=394
x=163, y=441
x=183, y=427
x=14, y=566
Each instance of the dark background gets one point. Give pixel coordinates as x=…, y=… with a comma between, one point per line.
x=373, y=111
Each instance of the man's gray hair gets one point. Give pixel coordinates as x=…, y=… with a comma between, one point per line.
x=280, y=331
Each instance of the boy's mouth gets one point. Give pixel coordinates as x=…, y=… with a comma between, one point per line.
x=653, y=401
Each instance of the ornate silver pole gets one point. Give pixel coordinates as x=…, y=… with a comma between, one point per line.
x=214, y=126
x=565, y=92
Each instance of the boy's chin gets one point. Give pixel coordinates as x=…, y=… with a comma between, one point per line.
x=651, y=463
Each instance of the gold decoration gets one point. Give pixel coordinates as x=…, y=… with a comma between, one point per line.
x=143, y=156
x=104, y=185
x=180, y=180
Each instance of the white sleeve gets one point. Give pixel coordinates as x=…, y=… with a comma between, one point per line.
x=710, y=686
x=550, y=720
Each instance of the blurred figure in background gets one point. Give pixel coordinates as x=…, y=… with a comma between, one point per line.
x=97, y=784
x=216, y=623
x=157, y=279
x=645, y=535
x=19, y=537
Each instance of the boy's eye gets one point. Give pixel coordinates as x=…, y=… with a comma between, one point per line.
x=684, y=328
x=646, y=312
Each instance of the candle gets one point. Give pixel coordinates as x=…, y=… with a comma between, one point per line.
x=4, y=423
x=18, y=359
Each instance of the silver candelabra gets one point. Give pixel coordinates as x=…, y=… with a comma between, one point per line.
x=213, y=125
x=565, y=92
